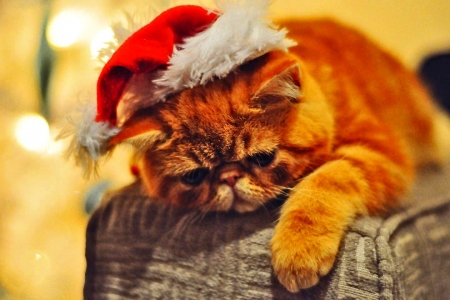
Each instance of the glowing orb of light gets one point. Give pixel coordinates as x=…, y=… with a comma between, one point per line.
x=66, y=28
x=32, y=132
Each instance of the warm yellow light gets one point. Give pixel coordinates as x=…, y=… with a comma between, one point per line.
x=66, y=28
x=32, y=132
x=100, y=39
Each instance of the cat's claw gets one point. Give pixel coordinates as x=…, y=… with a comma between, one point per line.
x=301, y=267
x=294, y=282
x=294, y=277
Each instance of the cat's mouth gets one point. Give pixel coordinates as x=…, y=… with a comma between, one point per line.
x=235, y=198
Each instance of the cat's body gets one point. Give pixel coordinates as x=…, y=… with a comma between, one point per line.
x=337, y=123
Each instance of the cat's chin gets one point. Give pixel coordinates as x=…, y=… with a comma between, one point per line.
x=244, y=206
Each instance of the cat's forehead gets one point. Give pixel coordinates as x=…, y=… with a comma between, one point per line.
x=214, y=136
x=216, y=145
x=217, y=125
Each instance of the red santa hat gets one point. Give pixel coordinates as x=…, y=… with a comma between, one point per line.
x=183, y=47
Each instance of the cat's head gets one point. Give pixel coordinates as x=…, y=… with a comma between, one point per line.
x=236, y=142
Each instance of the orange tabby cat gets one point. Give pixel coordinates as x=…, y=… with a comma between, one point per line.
x=337, y=124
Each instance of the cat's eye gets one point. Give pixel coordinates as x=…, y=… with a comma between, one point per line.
x=195, y=177
x=262, y=159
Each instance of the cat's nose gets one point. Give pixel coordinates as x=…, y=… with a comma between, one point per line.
x=230, y=177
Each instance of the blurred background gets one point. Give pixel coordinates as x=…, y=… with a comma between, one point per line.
x=47, y=69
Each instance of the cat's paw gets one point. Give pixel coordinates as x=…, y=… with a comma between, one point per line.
x=300, y=259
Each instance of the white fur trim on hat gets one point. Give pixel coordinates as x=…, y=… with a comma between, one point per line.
x=240, y=34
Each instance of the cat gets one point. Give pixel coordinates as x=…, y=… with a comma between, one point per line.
x=336, y=125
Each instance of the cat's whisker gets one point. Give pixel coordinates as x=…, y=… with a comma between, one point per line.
x=203, y=214
x=192, y=217
x=282, y=190
x=183, y=224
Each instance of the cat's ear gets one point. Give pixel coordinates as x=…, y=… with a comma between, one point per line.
x=282, y=89
x=140, y=133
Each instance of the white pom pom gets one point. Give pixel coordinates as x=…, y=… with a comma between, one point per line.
x=90, y=139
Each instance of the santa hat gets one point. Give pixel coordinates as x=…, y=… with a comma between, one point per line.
x=183, y=47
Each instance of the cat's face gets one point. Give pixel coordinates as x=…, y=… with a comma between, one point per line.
x=233, y=144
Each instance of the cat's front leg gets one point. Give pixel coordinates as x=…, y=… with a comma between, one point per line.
x=322, y=206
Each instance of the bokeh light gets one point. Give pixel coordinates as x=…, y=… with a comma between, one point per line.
x=32, y=132
x=66, y=28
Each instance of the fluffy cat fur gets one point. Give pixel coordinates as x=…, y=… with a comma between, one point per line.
x=336, y=124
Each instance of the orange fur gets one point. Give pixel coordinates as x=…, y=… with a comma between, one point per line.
x=337, y=124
